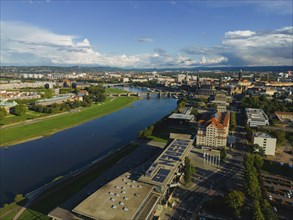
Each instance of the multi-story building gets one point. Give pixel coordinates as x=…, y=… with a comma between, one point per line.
x=221, y=100
x=213, y=130
x=206, y=90
x=266, y=141
x=256, y=117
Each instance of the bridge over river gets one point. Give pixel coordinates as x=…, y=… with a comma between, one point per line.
x=149, y=94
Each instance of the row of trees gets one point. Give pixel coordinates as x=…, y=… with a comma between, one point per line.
x=232, y=121
x=188, y=170
x=56, y=108
x=261, y=207
x=96, y=94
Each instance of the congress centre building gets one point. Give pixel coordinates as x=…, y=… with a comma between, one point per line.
x=129, y=198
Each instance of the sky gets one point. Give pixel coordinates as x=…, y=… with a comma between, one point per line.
x=147, y=34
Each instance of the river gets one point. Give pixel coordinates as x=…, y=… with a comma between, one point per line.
x=27, y=166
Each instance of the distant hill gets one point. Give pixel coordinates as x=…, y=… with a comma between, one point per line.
x=58, y=69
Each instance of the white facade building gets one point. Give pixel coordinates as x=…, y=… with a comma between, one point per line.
x=266, y=141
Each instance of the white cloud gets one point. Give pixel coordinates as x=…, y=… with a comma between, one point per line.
x=263, y=48
x=250, y=48
x=239, y=34
x=213, y=60
x=26, y=44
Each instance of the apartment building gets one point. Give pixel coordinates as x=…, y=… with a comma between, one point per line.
x=213, y=130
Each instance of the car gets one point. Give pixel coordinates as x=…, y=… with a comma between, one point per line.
x=275, y=209
x=270, y=197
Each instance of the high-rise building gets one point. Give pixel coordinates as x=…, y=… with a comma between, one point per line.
x=213, y=130
x=240, y=75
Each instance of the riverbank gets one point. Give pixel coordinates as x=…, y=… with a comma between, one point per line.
x=23, y=133
x=53, y=196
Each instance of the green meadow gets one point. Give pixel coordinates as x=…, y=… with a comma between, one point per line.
x=26, y=132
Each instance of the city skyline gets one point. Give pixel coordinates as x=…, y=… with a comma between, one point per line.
x=146, y=34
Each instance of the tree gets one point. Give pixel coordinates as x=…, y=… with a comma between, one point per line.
x=181, y=104
x=253, y=187
x=255, y=148
x=97, y=93
x=280, y=135
x=188, y=170
x=258, y=161
x=235, y=200
x=146, y=132
x=257, y=213
x=194, y=112
x=223, y=153
x=19, y=110
x=18, y=198
x=48, y=93
x=94, y=90
x=268, y=211
x=3, y=113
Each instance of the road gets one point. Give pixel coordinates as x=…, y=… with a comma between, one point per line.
x=192, y=201
x=286, y=129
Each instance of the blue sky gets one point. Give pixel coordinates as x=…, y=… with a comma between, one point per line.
x=147, y=33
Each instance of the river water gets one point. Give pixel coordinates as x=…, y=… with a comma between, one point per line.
x=25, y=167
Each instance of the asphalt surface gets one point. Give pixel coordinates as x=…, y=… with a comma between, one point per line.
x=191, y=201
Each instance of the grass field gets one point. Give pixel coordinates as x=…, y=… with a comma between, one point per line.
x=10, y=119
x=115, y=90
x=22, y=133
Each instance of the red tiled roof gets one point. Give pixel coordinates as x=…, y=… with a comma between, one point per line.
x=219, y=120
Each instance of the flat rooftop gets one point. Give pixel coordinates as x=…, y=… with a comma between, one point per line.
x=119, y=199
x=55, y=98
x=263, y=135
x=256, y=114
x=181, y=116
x=161, y=172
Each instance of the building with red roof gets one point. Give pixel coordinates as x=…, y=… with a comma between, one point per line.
x=213, y=130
